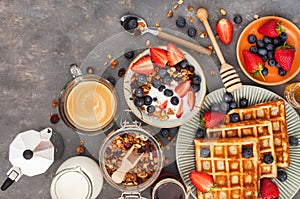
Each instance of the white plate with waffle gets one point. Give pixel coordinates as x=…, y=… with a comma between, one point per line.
x=185, y=150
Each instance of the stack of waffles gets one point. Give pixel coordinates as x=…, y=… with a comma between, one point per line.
x=263, y=128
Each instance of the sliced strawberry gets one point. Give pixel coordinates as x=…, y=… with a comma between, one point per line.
x=284, y=55
x=143, y=66
x=269, y=189
x=254, y=64
x=224, y=29
x=211, y=119
x=159, y=57
x=202, y=181
x=174, y=55
x=164, y=105
x=191, y=100
x=182, y=89
x=271, y=29
x=180, y=109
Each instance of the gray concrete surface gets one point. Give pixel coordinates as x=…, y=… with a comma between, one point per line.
x=40, y=39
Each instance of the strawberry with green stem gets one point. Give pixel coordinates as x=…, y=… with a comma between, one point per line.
x=254, y=63
x=271, y=28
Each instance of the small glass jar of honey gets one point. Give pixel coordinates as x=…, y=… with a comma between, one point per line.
x=292, y=94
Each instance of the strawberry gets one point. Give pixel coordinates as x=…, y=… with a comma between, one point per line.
x=224, y=29
x=182, y=88
x=271, y=28
x=268, y=189
x=254, y=64
x=284, y=55
x=164, y=105
x=159, y=56
x=174, y=55
x=180, y=109
x=202, y=181
x=143, y=66
x=191, y=100
x=211, y=119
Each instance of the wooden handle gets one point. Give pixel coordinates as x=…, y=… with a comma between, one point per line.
x=230, y=78
x=184, y=43
x=202, y=15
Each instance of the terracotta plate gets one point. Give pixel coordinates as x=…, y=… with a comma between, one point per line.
x=272, y=78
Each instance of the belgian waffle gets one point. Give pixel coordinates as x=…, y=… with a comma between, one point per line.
x=235, y=176
x=273, y=111
x=253, y=128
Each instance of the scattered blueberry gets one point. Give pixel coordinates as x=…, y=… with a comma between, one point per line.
x=260, y=44
x=167, y=79
x=174, y=100
x=168, y=92
x=265, y=71
x=247, y=152
x=238, y=19
x=147, y=100
x=227, y=97
x=262, y=51
x=234, y=117
x=277, y=41
x=282, y=175
x=281, y=72
x=252, y=39
x=243, y=102
x=129, y=54
x=293, y=141
x=268, y=159
x=253, y=49
x=201, y=133
x=142, y=79
x=224, y=106
x=111, y=80
x=161, y=88
x=272, y=62
x=139, y=101
x=233, y=105
x=165, y=132
x=162, y=72
x=130, y=23
x=196, y=79
x=215, y=107
x=155, y=83
x=204, y=152
x=184, y=64
x=154, y=99
x=270, y=46
x=121, y=72
x=139, y=92
x=192, y=32
x=267, y=40
x=195, y=87
x=151, y=109
x=180, y=22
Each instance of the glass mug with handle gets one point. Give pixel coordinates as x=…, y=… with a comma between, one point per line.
x=87, y=103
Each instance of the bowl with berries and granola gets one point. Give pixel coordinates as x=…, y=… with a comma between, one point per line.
x=164, y=86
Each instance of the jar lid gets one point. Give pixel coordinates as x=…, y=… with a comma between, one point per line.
x=71, y=183
x=114, y=148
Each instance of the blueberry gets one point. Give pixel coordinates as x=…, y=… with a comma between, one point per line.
x=204, y=152
x=139, y=101
x=268, y=159
x=272, y=62
x=129, y=54
x=201, y=133
x=262, y=51
x=227, y=97
x=147, y=100
x=111, y=80
x=162, y=72
x=165, y=132
x=191, y=68
x=277, y=41
x=155, y=83
x=167, y=79
x=142, y=79
x=195, y=87
x=270, y=46
x=247, y=152
x=168, y=92
x=252, y=39
x=178, y=68
x=234, y=117
x=293, y=141
x=281, y=72
x=180, y=22
x=224, y=106
x=174, y=100
x=243, y=102
x=267, y=40
x=283, y=36
x=151, y=109
x=233, y=105
x=238, y=19
x=184, y=64
x=270, y=54
x=139, y=92
x=161, y=88
x=192, y=32
x=264, y=58
x=154, y=99
x=215, y=107
x=260, y=44
x=253, y=49
x=196, y=79
x=130, y=23
x=265, y=71
x=282, y=175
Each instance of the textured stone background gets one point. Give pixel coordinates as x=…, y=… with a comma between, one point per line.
x=40, y=39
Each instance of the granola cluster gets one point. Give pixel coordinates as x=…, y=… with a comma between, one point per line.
x=146, y=166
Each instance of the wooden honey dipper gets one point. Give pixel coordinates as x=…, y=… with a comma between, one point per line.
x=228, y=74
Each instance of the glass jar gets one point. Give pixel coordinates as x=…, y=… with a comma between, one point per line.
x=292, y=94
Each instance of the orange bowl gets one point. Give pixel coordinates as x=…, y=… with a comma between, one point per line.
x=273, y=78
